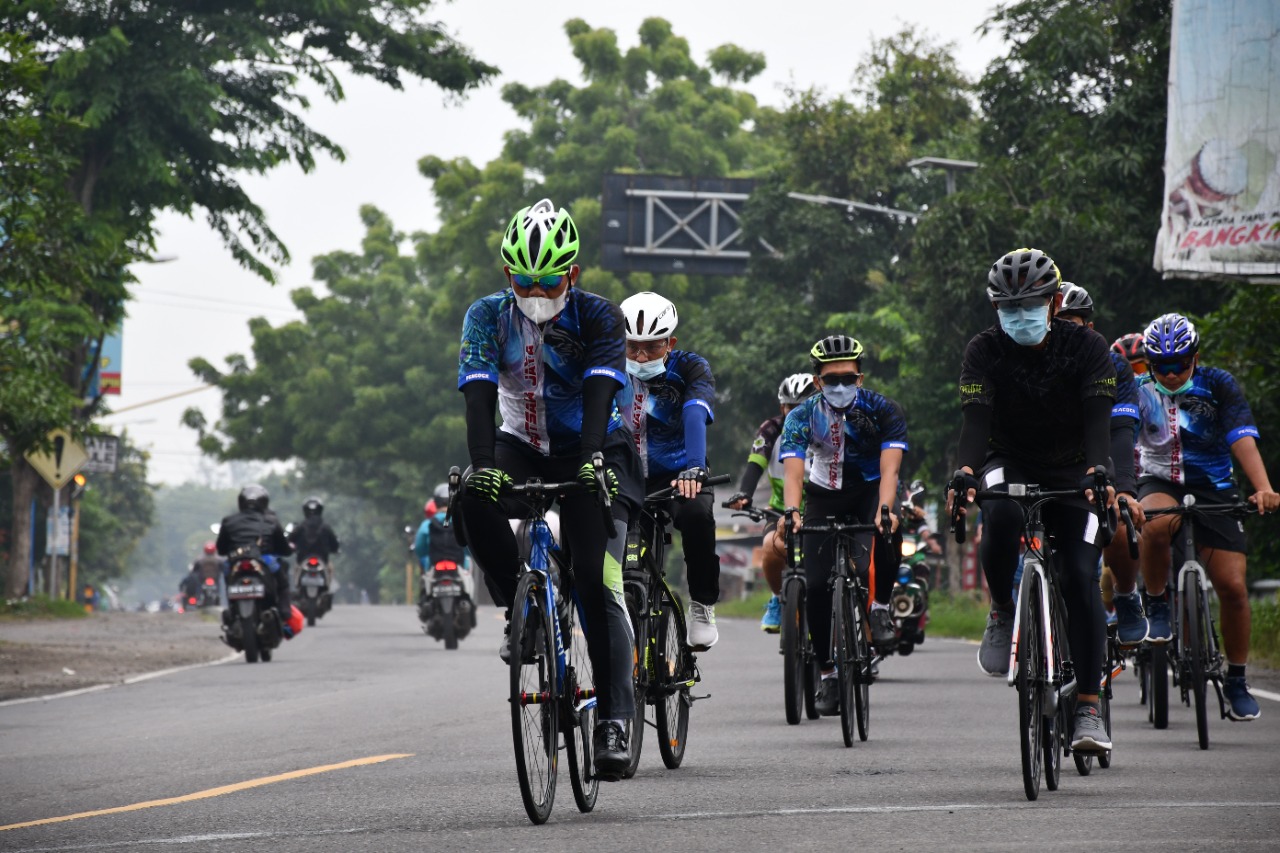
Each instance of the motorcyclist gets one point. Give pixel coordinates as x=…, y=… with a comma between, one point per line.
x=312, y=537
x=254, y=527
x=205, y=566
x=436, y=543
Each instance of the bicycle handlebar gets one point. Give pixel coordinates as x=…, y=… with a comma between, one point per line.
x=1243, y=509
x=833, y=525
x=1025, y=493
x=670, y=491
x=754, y=513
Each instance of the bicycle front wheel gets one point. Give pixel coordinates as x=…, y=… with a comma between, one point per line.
x=843, y=654
x=578, y=718
x=1030, y=682
x=674, y=679
x=1195, y=652
x=534, y=712
x=861, y=634
x=637, y=611
x=795, y=628
x=1158, y=686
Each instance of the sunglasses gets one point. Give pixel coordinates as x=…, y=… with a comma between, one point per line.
x=546, y=282
x=1139, y=367
x=839, y=378
x=1166, y=367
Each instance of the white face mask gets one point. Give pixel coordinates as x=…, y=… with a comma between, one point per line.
x=840, y=396
x=647, y=370
x=539, y=309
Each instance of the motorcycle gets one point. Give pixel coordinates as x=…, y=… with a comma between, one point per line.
x=314, y=596
x=445, y=609
x=205, y=595
x=248, y=623
x=909, y=602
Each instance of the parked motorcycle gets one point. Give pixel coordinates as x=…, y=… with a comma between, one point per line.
x=445, y=609
x=909, y=602
x=249, y=624
x=314, y=597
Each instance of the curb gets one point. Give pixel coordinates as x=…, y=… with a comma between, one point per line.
x=133, y=679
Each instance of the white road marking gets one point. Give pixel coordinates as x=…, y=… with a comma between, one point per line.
x=1128, y=807
x=146, y=676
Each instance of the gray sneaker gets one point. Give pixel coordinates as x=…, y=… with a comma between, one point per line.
x=504, y=650
x=828, y=699
x=1131, y=621
x=997, y=640
x=1090, y=734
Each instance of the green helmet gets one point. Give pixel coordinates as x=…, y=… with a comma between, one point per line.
x=540, y=240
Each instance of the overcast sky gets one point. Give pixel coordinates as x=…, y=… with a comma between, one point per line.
x=198, y=303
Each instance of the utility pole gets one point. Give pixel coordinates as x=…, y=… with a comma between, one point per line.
x=77, y=490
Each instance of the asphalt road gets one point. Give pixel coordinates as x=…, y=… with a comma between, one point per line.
x=941, y=769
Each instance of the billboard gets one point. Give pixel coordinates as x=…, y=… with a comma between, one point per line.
x=1221, y=216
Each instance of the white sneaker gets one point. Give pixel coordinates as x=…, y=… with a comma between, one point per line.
x=702, y=626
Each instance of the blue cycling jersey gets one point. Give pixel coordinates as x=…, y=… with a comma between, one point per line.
x=1186, y=438
x=656, y=410
x=539, y=370
x=843, y=446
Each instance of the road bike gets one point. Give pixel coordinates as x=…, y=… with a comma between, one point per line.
x=665, y=668
x=1193, y=654
x=850, y=633
x=1040, y=665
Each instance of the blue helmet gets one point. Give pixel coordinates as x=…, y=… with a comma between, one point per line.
x=1171, y=336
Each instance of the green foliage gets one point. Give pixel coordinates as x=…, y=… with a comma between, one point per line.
x=1264, y=641
x=115, y=513
x=959, y=615
x=39, y=607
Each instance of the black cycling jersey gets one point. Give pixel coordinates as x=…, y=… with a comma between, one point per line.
x=1039, y=399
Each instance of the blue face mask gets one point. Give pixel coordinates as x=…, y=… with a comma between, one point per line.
x=1181, y=389
x=840, y=396
x=1027, y=326
x=647, y=370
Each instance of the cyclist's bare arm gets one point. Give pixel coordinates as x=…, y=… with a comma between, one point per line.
x=1265, y=498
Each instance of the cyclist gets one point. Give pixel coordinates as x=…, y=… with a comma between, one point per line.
x=762, y=459
x=549, y=358
x=1037, y=393
x=667, y=403
x=1120, y=575
x=1194, y=420
x=1133, y=350
x=856, y=439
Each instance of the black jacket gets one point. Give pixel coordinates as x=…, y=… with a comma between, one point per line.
x=253, y=528
x=313, y=538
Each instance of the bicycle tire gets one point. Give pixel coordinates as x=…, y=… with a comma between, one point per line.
x=1158, y=681
x=1030, y=675
x=842, y=652
x=1056, y=733
x=1104, y=707
x=862, y=674
x=795, y=690
x=534, y=715
x=641, y=663
x=579, y=720
x=1194, y=653
x=674, y=678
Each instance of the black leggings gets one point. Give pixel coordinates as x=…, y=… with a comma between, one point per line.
x=819, y=555
x=695, y=519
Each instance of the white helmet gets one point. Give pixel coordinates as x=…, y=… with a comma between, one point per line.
x=795, y=388
x=649, y=317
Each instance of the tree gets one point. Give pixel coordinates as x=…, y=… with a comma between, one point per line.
x=164, y=105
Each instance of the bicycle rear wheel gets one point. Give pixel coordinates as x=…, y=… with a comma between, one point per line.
x=861, y=634
x=675, y=677
x=1104, y=707
x=1194, y=651
x=1030, y=683
x=578, y=707
x=843, y=654
x=795, y=628
x=1056, y=733
x=534, y=712
x=637, y=610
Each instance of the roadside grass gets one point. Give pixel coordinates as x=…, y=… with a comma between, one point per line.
x=1264, y=641
x=39, y=607
x=961, y=615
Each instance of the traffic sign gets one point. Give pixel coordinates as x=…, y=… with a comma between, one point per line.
x=61, y=464
x=103, y=452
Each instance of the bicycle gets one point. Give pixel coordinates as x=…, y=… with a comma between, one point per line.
x=552, y=686
x=664, y=667
x=799, y=663
x=850, y=635
x=1040, y=665
x=1193, y=653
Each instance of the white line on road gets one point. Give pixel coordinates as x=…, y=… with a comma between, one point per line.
x=146, y=676
x=189, y=839
x=952, y=807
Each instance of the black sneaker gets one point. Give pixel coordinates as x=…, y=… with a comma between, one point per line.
x=609, y=742
x=884, y=634
x=828, y=699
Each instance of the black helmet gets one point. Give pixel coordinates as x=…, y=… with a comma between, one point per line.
x=313, y=506
x=1021, y=274
x=1076, y=301
x=834, y=348
x=255, y=497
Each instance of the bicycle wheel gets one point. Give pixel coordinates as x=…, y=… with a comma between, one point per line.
x=578, y=719
x=637, y=610
x=1158, y=686
x=1030, y=683
x=843, y=654
x=1104, y=708
x=534, y=717
x=674, y=678
x=1056, y=733
x=861, y=634
x=795, y=690
x=1194, y=651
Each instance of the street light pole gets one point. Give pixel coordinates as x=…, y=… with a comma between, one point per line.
x=951, y=167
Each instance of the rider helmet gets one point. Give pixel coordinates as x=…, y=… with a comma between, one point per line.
x=1171, y=336
x=649, y=317
x=441, y=496
x=429, y=508
x=795, y=388
x=1131, y=347
x=254, y=497
x=1076, y=301
x=834, y=348
x=540, y=240
x=296, y=620
x=210, y=548
x=312, y=507
x=1021, y=274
